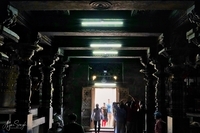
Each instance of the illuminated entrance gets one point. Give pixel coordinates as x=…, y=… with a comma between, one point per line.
x=93, y=95
x=107, y=96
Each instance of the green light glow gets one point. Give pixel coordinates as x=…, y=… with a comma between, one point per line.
x=104, y=52
x=105, y=45
x=102, y=23
x=105, y=84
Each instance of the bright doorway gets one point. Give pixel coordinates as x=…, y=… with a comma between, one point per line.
x=107, y=96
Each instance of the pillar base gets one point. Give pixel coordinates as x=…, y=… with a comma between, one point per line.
x=177, y=125
x=48, y=114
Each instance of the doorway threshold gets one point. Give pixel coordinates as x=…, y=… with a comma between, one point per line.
x=102, y=130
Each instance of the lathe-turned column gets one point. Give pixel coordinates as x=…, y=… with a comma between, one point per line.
x=46, y=110
x=160, y=89
x=58, y=86
x=8, y=78
x=37, y=80
x=150, y=90
x=149, y=97
x=8, y=69
x=23, y=91
x=177, y=117
x=47, y=88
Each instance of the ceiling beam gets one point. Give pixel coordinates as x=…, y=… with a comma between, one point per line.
x=115, y=5
x=88, y=48
x=104, y=34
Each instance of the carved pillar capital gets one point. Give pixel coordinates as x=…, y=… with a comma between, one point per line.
x=194, y=14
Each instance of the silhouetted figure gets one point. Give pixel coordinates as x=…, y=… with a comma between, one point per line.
x=109, y=107
x=72, y=126
x=57, y=125
x=119, y=117
x=131, y=115
x=58, y=118
x=97, y=116
x=105, y=114
x=141, y=117
x=56, y=128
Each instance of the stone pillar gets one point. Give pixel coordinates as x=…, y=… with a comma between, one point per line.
x=45, y=109
x=177, y=112
x=160, y=89
x=149, y=98
x=8, y=77
x=177, y=120
x=37, y=80
x=143, y=61
x=150, y=90
x=22, y=115
x=58, y=86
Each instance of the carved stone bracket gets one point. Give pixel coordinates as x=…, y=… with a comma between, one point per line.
x=193, y=16
x=9, y=22
x=6, y=33
x=12, y=17
x=44, y=39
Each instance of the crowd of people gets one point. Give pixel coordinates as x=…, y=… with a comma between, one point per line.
x=128, y=117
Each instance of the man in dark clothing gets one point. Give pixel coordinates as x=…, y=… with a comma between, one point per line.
x=120, y=115
x=72, y=126
x=131, y=115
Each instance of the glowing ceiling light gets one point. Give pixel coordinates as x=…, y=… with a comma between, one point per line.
x=105, y=45
x=94, y=77
x=115, y=77
x=105, y=23
x=105, y=52
x=105, y=84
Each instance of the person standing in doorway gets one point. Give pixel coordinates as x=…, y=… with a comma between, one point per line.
x=105, y=115
x=97, y=116
x=109, y=108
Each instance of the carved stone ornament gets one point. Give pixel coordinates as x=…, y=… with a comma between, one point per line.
x=100, y=4
x=1, y=40
x=7, y=33
x=194, y=18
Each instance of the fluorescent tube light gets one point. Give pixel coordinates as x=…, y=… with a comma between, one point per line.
x=102, y=23
x=105, y=84
x=104, y=52
x=105, y=45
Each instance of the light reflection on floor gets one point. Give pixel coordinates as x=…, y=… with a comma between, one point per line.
x=102, y=130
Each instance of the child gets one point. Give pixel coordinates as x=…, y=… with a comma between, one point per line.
x=160, y=124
